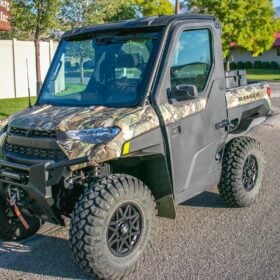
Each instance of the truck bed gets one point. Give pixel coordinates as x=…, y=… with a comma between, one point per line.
x=247, y=103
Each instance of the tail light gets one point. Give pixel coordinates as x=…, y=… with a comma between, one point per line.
x=268, y=91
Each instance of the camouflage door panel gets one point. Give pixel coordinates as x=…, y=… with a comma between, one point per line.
x=172, y=113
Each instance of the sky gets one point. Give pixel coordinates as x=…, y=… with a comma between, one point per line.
x=276, y=2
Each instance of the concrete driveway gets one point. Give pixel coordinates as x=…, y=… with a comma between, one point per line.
x=275, y=87
x=208, y=240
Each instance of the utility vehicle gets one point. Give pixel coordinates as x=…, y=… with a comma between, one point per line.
x=133, y=118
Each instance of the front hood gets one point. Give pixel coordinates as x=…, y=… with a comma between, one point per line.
x=131, y=121
x=50, y=117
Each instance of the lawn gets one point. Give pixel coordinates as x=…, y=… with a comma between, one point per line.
x=71, y=88
x=10, y=106
x=263, y=75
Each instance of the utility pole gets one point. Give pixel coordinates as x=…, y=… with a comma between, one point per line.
x=177, y=7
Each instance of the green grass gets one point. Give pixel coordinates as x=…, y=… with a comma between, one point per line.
x=10, y=106
x=72, y=89
x=263, y=75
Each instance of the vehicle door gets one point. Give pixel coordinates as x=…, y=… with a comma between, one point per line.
x=192, y=107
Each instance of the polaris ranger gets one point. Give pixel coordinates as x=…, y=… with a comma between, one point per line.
x=133, y=118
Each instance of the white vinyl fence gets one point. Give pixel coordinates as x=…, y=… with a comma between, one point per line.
x=13, y=72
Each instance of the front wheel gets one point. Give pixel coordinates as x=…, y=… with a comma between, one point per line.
x=242, y=172
x=112, y=226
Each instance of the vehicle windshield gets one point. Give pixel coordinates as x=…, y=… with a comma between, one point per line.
x=105, y=69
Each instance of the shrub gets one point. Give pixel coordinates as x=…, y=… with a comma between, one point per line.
x=257, y=64
x=233, y=66
x=240, y=65
x=248, y=65
x=265, y=65
x=274, y=65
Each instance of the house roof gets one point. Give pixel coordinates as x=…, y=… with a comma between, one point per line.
x=277, y=41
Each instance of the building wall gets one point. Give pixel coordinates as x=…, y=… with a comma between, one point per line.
x=13, y=68
x=241, y=55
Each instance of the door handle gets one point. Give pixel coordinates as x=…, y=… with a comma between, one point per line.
x=222, y=124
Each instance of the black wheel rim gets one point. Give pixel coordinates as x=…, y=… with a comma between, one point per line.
x=125, y=229
x=250, y=173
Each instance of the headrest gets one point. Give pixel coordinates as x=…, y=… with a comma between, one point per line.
x=127, y=60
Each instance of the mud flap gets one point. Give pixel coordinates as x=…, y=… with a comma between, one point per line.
x=166, y=207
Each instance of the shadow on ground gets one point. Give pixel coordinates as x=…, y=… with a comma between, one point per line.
x=206, y=199
x=41, y=255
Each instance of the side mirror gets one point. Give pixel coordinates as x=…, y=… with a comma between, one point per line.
x=184, y=93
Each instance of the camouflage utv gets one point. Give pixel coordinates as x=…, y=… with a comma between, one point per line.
x=147, y=120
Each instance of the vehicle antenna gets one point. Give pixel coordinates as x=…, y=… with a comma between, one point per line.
x=28, y=85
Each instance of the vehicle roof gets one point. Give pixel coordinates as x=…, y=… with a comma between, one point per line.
x=139, y=23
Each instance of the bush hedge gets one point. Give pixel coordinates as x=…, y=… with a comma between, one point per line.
x=274, y=65
x=240, y=65
x=255, y=65
x=248, y=65
x=233, y=66
x=265, y=65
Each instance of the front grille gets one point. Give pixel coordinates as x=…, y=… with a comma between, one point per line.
x=32, y=133
x=30, y=152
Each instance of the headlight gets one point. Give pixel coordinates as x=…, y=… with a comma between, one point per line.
x=3, y=129
x=94, y=135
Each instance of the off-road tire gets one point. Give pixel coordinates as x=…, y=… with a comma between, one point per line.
x=91, y=218
x=236, y=157
x=13, y=230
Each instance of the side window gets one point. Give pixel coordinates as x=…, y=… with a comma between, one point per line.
x=192, y=60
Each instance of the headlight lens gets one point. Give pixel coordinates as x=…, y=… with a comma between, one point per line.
x=93, y=135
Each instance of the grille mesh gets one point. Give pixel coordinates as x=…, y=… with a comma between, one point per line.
x=55, y=154
x=32, y=133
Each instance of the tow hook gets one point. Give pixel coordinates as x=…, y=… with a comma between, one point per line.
x=12, y=200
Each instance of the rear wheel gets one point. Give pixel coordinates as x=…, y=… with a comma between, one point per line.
x=112, y=226
x=242, y=172
x=11, y=229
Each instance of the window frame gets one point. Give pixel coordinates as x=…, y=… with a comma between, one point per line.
x=212, y=56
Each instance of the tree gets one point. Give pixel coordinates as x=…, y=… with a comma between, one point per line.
x=81, y=50
x=114, y=10
x=100, y=11
x=154, y=7
x=34, y=19
x=250, y=24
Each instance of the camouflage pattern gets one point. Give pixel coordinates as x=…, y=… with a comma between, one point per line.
x=171, y=113
x=244, y=95
x=131, y=121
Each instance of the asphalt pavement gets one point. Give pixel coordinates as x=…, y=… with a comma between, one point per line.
x=208, y=240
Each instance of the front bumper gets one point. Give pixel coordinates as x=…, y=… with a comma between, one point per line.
x=37, y=181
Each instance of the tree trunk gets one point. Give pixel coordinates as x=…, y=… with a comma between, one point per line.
x=227, y=64
x=82, y=75
x=177, y=7
x=38, y=63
